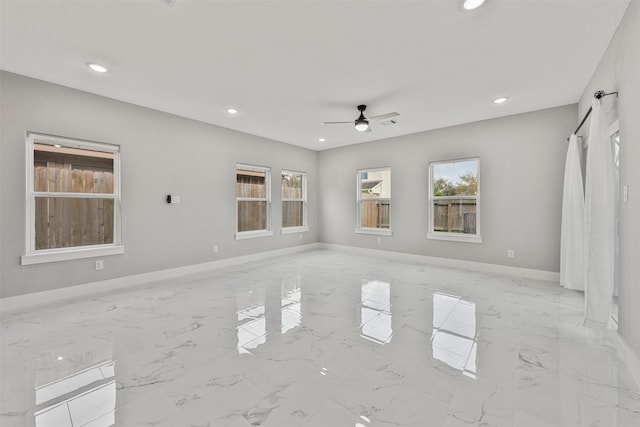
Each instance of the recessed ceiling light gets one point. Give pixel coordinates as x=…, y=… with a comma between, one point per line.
x=500, y=100
x=232, y=111
x=60, y=358
x=321, y=139
x=57, y=145
x=472, y=4
x=97, y=67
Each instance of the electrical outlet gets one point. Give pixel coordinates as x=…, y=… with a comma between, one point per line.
x=215, y=249
x=379, y=240
x=511, y=253
x=99, y=265
x=300, y=236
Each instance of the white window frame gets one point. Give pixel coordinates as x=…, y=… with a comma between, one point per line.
x=453, y=237
x=370, y=230
x=241, y=235
x=304, y=227
x=33, y=256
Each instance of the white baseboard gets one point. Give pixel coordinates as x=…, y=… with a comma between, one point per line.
x=21, y=302
x=528, y=273
x=629, y=357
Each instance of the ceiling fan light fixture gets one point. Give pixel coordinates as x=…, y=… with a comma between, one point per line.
x=501, y=100
x=472, y=4
x=362, y=125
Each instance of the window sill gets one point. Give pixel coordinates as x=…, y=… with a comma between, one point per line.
x=293, y=230
x=253, y=234
x=376, y=231
x=453, y=237
x=70, y=254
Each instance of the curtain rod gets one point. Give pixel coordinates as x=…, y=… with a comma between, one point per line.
x=598, y=95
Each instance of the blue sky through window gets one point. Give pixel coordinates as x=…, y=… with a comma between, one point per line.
x=452, y=171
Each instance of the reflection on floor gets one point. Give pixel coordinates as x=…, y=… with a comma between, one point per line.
x=85, y=398
x=375, y=311
x=317, y=339
x=291, y=311
x=454, y=337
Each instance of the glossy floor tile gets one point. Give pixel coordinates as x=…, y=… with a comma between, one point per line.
x=318, y=339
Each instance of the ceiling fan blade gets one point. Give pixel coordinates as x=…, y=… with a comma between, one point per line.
x=336, y=123
x=384, y=116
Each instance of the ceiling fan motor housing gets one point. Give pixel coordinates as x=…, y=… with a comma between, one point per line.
x=362, y=118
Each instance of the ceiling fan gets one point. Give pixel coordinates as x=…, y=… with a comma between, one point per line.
x=362, y=123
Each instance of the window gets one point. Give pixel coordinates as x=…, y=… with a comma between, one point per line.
x=454, y=196
x=73, y=199
x=253, y=201
x=294, y=202
x=374, y=201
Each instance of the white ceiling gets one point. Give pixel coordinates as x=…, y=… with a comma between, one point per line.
x=289, y=65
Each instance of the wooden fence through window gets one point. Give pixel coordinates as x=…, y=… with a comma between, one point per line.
x=455, y=216
x=252, y=215
x=374, y=213
x=62, y=222
x=292, y=210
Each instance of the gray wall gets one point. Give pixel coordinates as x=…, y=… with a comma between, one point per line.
x=619, y=71
x=521, y=174
x=161, y=154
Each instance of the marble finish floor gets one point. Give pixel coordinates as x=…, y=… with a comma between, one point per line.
x=318, y=339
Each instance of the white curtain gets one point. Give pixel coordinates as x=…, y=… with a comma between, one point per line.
x=600, y=221
x=572, y=250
